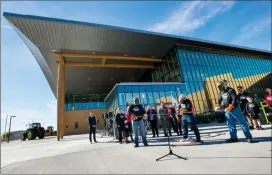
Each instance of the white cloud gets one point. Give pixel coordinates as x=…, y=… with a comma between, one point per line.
x=190, y=16
x=252, y=30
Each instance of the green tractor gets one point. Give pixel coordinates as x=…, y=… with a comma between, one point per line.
x=49, y=131
x=34, y=130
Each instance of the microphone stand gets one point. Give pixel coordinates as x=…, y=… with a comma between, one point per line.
x=170, y=150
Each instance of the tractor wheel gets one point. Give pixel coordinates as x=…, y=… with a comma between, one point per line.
x=31, y=135
x=42, y=136
x=23, y=137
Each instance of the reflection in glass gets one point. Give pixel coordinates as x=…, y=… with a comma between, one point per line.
x=129, y=98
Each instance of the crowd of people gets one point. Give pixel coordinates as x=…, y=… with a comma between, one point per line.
x=177, y=117
x=172, y=117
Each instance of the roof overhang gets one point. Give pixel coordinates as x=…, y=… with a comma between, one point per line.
x=94, y=45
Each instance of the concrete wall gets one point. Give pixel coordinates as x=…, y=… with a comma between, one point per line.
x=80, y=116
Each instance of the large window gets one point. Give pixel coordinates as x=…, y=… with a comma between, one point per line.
x=169, y=69
x=202, y=68
x=152, y=94
x=84, y=101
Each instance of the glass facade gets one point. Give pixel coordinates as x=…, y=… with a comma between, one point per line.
x=148, y=93
x=202, y=68
x=83, y=106
x=188, y=70
x=84, y=101
x=169, y=69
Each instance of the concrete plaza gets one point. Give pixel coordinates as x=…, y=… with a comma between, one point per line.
x=75, y=154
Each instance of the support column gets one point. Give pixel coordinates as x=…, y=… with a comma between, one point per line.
x=63, y=100
x=60, y=99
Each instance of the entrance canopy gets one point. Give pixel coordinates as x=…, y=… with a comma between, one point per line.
x=97, y=56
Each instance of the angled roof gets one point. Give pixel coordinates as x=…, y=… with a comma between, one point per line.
x=43, y=35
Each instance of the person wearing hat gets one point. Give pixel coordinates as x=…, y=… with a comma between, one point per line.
x=233, y=111
x=137, y=112
x=187, y=116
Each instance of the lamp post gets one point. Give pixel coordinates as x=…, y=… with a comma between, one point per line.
x=6, y=127
x=10, y=127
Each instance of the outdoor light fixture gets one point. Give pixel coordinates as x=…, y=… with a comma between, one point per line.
x=6, y=126
x=10, y=126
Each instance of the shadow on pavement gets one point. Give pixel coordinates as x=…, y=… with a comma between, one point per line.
x=78, y=138
x=164, y=142
x=189, y=158
x=255, y=140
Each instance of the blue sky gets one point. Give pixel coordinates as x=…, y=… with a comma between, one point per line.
x=25, y=91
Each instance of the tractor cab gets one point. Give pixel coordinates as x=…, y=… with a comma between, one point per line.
x=34, y=125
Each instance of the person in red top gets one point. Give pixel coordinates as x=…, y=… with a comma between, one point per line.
x=172, y=118
x=268, y=97
x=129, y=122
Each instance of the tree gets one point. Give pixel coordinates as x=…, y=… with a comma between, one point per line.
x=5, y=136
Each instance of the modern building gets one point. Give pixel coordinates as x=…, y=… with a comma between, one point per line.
x=93, y=67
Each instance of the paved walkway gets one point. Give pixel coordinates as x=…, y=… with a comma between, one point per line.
x=76, y=155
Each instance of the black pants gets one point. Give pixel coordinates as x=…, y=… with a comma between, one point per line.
x=166, y=126
x=154, y=127
x=173, y=123
x=193, y=125
x=179, y=123
x=92, y=130
x=121, y=133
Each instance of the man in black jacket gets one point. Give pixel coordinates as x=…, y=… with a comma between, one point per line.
x=187, y=116
x=137, y=112
x=242, y=96
x=233, y=112
x=92, y=127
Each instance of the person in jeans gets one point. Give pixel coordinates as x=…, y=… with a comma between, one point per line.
x=92, y=127
x=163, y=112
x=137, y=112
x=120, y=122
x=152, y=119
x=187, y=116
x=242, y=96
x=233, y=112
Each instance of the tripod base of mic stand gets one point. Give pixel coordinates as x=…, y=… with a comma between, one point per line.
x=171, y=153
x=111, y=141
